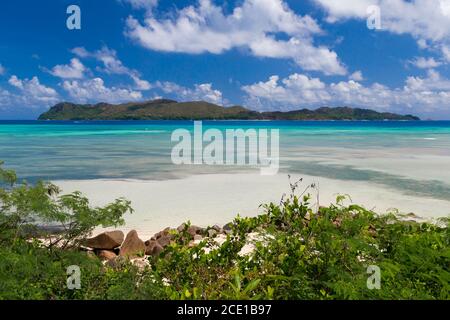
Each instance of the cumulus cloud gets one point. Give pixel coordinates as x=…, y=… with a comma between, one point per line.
x=252, y=25
x=425, y=63
x=81, y=52
x=200, y=92
x=32, y=92
x=74, y=70
x=357, y=76
x=446, y=53
x=112, y=65
x=94, y=90
x=424, y=19
x=418, y=95
x=5, y=98
x=433, y=82
x=26, y=96
x=142, y=4
x=428, y=21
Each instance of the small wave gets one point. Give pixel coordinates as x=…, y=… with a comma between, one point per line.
x=116, y=132
x=90, y=133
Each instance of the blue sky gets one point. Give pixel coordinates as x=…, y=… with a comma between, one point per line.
x=263, y=54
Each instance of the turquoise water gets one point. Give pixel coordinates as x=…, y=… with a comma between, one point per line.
x=413, y=157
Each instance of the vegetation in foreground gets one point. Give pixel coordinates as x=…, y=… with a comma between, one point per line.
x=304, y=254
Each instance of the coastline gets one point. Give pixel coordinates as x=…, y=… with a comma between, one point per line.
x=210, y=199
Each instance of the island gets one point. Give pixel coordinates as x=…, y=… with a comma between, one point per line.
x=165, y=109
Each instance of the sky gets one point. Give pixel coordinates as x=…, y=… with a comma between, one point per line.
x=386, y=55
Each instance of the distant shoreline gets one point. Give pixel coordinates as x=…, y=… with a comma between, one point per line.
x=163, y=109
x=215, y=120
x=230, y=120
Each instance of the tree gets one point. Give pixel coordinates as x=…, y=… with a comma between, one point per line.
x=40, y=210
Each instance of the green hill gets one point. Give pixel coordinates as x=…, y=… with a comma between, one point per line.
x=164, y=109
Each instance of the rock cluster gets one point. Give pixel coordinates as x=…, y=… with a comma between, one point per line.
x=114, y=248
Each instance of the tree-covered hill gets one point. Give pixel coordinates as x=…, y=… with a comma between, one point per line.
x=163, y=109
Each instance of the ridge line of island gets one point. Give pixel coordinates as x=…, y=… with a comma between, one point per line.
x=165, y=109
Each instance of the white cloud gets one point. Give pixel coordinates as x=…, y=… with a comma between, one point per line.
x=428, y=21
x=112, y=65
x=5, y=98
x=75, y=70
x=26, y=94
x=140, y=84
x=142, y=4
x=95, y=90
x=344, y=9
x=424, y=19
x=16, y=82
x=33, y=91
x=433, y=82
x=445, y=7
x=357, y=76
x=446, y=52
x=207, y=93
x=425, y=63
x=419, y=95
x=81, y=52
x=200, y=92
x=293, y=91
x=253, y=25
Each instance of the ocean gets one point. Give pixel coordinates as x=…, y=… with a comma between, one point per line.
x=410, y=157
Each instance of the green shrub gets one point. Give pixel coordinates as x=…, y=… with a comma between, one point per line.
x=315, y=255
x=25, y=208
x=302, y=254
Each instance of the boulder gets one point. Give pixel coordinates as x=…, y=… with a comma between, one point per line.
x=198, y=237
x=153, y=248
x=412, y=215
x=193, y=230
x=106, y=255
x=162, y=233
x=132, y=246
x=182, y=227
x=212, y=233
x=157, y=250
x=106, y=240
x=228, y=228
x=164, y=241
x=149, y=245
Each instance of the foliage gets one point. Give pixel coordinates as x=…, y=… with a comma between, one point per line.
x=40, y=210
x=316, y=255
x=302, y=253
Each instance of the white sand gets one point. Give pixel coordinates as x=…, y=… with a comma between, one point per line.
x=218, y=198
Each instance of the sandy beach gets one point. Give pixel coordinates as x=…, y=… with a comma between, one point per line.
x=217, y=198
